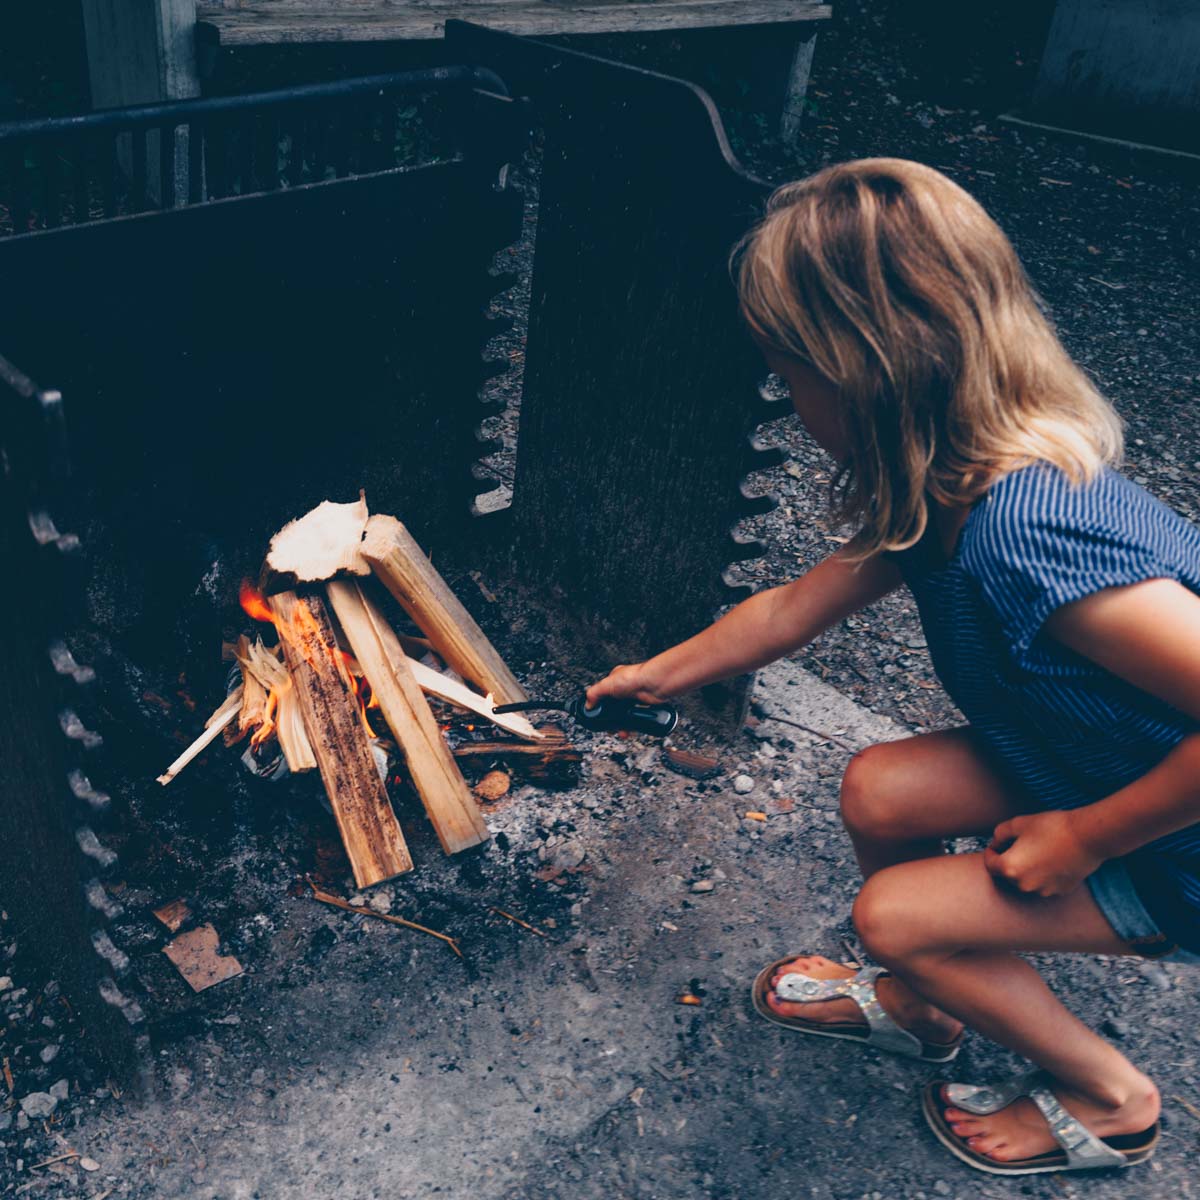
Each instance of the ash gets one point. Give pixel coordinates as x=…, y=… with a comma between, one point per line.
x=355, y=1059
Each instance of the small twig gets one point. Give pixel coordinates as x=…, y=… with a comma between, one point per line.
x=222, y=717
x=851, y=957
x=338, y=902
x=517, y=921
x=1188, y=1105
x=8, y=1076
x=817, y=733
x=49, y=1162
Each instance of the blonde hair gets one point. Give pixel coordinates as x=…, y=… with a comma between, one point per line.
x=895, y=285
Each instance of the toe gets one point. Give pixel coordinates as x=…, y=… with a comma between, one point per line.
x=986, y=1143
x=966, y=1128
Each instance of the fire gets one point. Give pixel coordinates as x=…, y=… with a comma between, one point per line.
x=253, y=603
x=270, y=714
x=303, y=632
x=361, y=690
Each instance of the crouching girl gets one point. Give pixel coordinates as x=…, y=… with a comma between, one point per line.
x=1060, y=605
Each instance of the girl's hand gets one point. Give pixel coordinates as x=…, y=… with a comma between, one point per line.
x=624, y=683
x=1040, y=855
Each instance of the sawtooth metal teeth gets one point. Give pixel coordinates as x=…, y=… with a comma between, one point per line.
x=74, y=728
x=64, y=663
x=101, y=855
x=754, y=506
x=746, y=548
x=117, y=960
x=82, y=789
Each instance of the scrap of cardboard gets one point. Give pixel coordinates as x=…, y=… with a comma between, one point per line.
x=174, y=914
x=198, y=959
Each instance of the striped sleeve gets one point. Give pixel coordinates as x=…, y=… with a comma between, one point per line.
x=1044, y=542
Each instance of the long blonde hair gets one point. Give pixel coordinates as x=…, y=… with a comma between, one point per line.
x=898, y=288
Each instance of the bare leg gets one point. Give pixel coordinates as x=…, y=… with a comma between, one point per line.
x=900, y=800
x=945, y=928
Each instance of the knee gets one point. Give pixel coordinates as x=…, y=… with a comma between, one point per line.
x=887, y=917
x=872, y=807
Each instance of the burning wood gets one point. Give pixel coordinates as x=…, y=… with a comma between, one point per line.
x=369, y=829
x=281, y=711
x=311, y=696
x=254, y=697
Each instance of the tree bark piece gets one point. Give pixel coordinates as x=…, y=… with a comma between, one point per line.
x=554, y=760
x=369, y=829
x=435, y=775
x=409, y=575
x=317, y=546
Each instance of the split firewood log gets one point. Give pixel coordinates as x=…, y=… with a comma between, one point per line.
x=435, y=776
x=407, y=573
x=336, y=731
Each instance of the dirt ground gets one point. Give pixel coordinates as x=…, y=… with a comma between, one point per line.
x=356, y=1060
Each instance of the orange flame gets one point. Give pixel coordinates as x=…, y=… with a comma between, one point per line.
x=361, y=690
x=253, y=603
x=270, y=713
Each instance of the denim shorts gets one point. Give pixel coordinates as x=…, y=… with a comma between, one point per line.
x=1117, y=899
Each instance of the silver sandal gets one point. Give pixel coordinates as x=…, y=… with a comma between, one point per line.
x=1079, y=1148
x=880, y=1030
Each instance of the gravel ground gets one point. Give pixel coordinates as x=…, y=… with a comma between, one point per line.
x=357, y=1060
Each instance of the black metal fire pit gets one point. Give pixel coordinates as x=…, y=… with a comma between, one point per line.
x=245, y=349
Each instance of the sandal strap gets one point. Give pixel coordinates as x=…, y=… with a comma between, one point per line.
x=1084, y=1150
x=983, y=1101
x=882, y=1031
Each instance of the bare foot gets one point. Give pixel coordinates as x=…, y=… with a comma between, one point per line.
x=900, y=1003
x=1020, y=1131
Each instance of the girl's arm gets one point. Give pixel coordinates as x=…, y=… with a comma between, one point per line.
x=1148, y=634
x=761, y=629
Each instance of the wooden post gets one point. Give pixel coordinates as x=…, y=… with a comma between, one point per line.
x=435, y=775
x=369, y=829
x=143, y=52
x=796, y=90
x=405, y=571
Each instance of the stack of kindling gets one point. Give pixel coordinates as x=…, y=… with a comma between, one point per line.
x=338, y=660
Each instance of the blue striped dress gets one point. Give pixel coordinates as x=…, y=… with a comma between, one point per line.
x=1067, y=731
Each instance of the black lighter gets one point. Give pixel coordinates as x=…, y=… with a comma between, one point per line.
x=656, y=720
